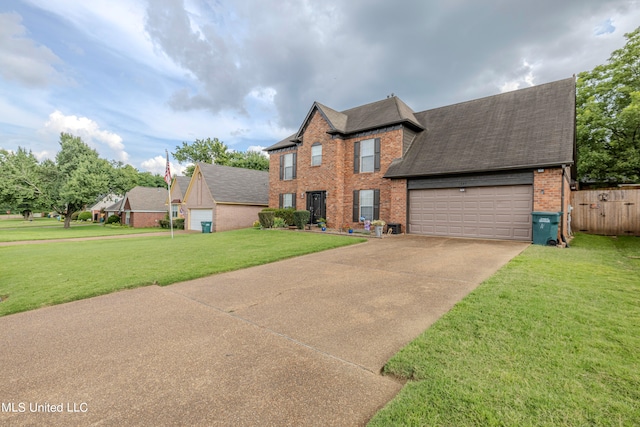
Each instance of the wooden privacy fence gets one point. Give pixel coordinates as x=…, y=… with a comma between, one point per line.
x=609, y=212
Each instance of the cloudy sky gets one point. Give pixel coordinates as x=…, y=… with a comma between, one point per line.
x=136, y=77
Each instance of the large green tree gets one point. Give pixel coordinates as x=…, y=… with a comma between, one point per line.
x=21, y=188
x=608, y=117
x=78, y=177
x=214, y=151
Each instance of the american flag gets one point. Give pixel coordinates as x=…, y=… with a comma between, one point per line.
x=167, y=171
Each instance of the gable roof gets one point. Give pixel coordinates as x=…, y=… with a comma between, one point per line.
x=182, y=182
x=387, y=112
x=235, y=185
x=105, y=202
x=527, y=128
x=146, y=199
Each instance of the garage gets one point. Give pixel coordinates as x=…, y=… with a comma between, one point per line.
x=492, y=212
x=196, y=216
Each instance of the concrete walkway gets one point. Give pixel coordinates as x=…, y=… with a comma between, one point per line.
x=297, y=342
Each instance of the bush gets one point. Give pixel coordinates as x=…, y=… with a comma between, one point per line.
x=300, y=218
x=113, y=219
x=74, y=216
x=286, y=214
x=266, y=219
x=256, y=224
x=279, y=222
x=83, y=216
x=178, y=223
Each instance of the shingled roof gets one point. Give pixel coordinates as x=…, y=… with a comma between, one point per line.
x=387, y=112
x=236, y=185
x=146, y=199
x=527, y=128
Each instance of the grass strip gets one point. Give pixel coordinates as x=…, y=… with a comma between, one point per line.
x=57, y=231
x=552, y=339
x=34, y=276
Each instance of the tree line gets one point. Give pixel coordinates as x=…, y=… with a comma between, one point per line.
x=78, y=177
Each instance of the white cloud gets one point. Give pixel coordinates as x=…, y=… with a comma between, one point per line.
x=256, y=148
x=22, y=60
x=158, y=164
x=89, y=131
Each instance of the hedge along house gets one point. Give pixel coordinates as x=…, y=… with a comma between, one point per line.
x=228, y=197
x=475, y=169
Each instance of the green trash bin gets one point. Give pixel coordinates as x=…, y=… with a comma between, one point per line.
x=545, y=228
x=206, y=226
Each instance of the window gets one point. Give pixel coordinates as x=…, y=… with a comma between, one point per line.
x=288, y=200
x=316, y=154
x=288, y=166
x=174, y=211
x=366, y=204
x=366, y=156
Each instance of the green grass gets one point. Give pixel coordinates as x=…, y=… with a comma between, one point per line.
x=552, y=339
x=57, y=231
x=20, y=223
x=38, y=275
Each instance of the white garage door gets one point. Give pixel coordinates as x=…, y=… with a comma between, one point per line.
x=501, y=212
x=198, y=215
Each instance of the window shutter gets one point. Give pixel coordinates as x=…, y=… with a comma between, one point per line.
x=293, y=200
x=295, y=161
x=280, y=200
x=281, y=166
x=356, y=205
x=376, y=162
x=376, y=204
x=356, y=158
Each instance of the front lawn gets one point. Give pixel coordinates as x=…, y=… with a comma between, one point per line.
x=51, y=273
x=55, y=230
x=552, y=339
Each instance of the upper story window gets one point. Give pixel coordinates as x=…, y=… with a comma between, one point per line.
x=288, y=166
x=366, y=156
x=316, y=154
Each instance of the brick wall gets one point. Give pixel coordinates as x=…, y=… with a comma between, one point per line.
x=145, y=219
x=548, y=192
x=233, y=217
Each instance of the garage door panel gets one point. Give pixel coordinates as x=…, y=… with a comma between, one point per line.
x=196, y=216
x=502, y=212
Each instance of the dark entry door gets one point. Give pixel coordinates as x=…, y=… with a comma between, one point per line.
x=316, y=205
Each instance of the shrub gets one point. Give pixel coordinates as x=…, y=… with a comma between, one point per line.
x=279, y=222
x=83, y=216
x=113, y=219
x=74, y=216
x=178, y=223
x=284, y=213
x=266, y=219
x=300, y=218
x=256, y=224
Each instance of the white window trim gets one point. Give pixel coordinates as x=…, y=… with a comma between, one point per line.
x=367, y=142
x=317, y=155
x=370, y=195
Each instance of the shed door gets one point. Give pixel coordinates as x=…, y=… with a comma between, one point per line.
x=198, y=215
x=499, y=212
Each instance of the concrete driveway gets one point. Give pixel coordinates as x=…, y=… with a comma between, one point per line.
x=297, y=342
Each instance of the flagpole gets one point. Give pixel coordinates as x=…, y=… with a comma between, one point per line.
x=167, y=179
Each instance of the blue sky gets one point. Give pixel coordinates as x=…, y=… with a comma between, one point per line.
x=136, y=77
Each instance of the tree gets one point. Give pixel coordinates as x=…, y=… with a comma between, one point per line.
x=77, y=178
x=21, y=188
x=608, y=117
x=214, y=151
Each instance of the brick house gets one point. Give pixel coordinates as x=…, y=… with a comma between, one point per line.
x=228, y=197
x=144, y=207
x=474, y=169
x=178, y=191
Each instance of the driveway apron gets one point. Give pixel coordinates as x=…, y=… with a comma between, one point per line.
x=296, y=342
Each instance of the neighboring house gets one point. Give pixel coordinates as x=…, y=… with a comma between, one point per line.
x=178, y=190
x=114, y=209
x=228, y=197
x=144, y=207
x=474, y=169
x=103, y=204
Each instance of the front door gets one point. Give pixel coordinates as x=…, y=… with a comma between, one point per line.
x=316, y=205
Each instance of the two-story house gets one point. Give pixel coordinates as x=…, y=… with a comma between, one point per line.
x=474, y=169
